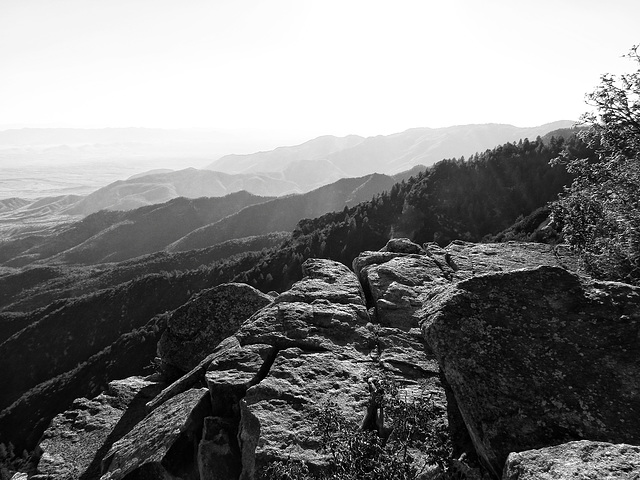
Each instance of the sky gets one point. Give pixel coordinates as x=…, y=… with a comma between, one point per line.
x=306, y=67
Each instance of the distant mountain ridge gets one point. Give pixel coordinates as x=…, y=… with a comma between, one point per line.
x=388, y=154
x=161, y=187
x=280, y=157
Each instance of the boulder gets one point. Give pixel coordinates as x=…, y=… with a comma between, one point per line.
x=163, y=444
x=277, y=413
x=327, y=281
x=70, y=446
x=399, y=281
x=402, y=245
x=320, y=325
x=537, y=357
x=471, y=259
x=399, y=287
x=575, y=460
x=197, y=327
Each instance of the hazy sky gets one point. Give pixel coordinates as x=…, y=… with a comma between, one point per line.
x=311, y=67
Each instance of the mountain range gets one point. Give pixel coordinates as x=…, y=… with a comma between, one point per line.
x=87, y=302
x=284, y=170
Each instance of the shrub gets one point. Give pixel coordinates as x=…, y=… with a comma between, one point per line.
x=600, y=211
x=376, y=450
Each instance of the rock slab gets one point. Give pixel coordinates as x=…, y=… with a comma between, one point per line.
x=401, y=278
x=161, y=443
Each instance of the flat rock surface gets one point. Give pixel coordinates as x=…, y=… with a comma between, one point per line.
x=575, y=460
x=537, y=357
x=320, y=325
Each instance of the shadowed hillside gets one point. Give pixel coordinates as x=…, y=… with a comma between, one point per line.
x=282, y=214
x=114, y=236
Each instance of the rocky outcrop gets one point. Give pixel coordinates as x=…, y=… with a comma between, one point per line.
x=313, y=344
x=570, y=461
x=196, y=328
x=326, y=350
x=77, y=437
x=523, y=353
x=537, y=357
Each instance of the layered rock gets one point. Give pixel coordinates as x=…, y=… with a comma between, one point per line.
x=537, y=357
x=197, y=327
x=573, y=460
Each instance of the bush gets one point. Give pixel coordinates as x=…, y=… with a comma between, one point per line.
x=600, y=211
x=373, y=449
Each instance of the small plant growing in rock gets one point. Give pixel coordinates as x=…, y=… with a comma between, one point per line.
x=385, y=445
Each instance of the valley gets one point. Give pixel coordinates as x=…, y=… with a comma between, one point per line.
x=89, y=298
x=115, y=274
x=286, y=240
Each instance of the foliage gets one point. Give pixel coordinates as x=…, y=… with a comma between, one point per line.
x=600, y=211
x=358, y=453
x=535, y=227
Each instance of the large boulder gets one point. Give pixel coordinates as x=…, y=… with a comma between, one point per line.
x=197, y=327
x=537, y=357
x=323, y=311
x=575, y=460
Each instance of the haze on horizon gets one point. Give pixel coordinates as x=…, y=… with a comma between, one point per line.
x=305, y=68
